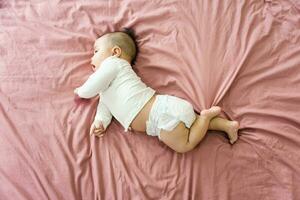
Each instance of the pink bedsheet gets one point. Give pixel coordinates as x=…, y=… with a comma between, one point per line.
x=241, y=55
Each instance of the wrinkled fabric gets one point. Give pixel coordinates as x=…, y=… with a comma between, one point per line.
x=241, y=55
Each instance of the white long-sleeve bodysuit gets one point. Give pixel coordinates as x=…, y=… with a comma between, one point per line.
x=122, y=93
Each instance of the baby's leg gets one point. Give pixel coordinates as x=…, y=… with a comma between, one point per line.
x=182, y=139
x=199, y=128
x=230, y=127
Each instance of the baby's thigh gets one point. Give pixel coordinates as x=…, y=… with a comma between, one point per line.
x=177, y=138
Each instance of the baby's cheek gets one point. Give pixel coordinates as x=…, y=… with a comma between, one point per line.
x=98, y=62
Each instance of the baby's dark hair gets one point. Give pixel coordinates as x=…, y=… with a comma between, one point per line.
x=131, y=33
x=126, y=41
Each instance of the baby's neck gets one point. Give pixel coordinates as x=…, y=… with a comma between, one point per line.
x=125, y=58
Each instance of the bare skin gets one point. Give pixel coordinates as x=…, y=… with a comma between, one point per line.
x=230, y=127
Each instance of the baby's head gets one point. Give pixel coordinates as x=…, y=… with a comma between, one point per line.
x=121, y=44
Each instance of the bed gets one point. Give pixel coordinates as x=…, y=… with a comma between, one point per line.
x=241, y=55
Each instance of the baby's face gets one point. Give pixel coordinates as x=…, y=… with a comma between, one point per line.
x=101, y=52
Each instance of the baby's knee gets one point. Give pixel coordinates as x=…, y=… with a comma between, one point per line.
x=177, y=139
x=185, y=148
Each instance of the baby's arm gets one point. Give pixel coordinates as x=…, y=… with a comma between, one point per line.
x=99, y=80
x=103, y=115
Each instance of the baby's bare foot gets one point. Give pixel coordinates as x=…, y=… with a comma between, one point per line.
x=211, y=112
x=232, y=130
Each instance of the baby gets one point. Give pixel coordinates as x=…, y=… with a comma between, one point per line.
x=140, y=108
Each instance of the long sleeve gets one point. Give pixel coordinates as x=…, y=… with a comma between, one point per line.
x=99, y=80
x=103, y=114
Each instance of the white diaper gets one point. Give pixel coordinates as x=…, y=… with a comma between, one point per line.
x=166, y=113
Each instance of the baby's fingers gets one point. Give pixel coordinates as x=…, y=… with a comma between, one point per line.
x=92, y=130
x=99, y=134
x=98, y=130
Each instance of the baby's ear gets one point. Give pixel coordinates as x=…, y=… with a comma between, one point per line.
x=116, y=51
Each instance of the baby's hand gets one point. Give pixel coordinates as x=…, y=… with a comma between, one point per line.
x=76, y=91
x=97, y=129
